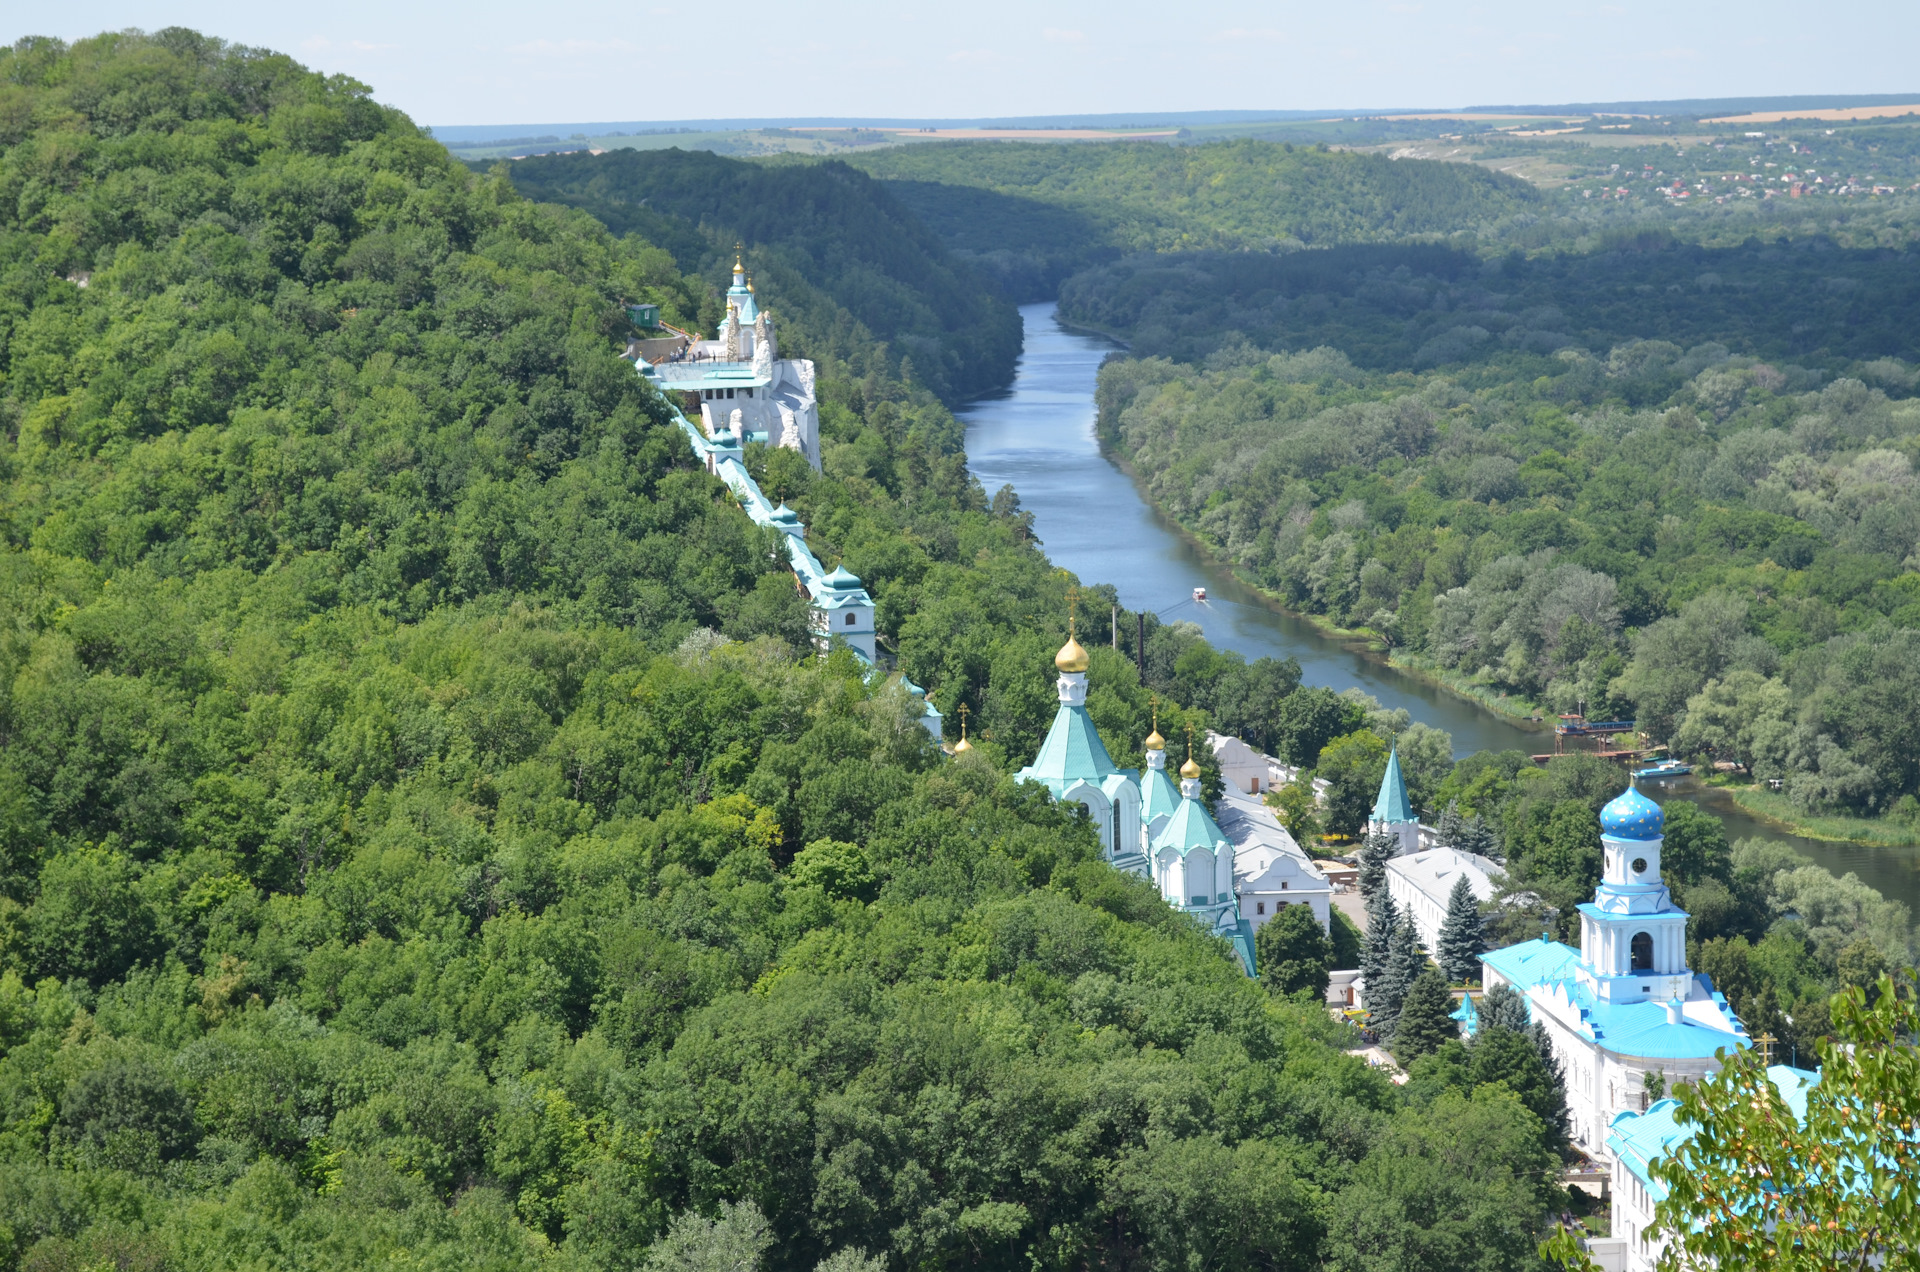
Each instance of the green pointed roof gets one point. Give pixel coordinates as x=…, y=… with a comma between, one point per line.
x=1158, y=795
x=1072, y=752
x=1393, y=804
x=1191, y=827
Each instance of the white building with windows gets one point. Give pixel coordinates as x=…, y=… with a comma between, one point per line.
x=1421, y=885
x=1624, y=1005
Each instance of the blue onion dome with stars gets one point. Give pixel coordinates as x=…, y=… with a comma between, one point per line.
x=1632, y=816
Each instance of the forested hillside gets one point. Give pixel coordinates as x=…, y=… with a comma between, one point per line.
x=854, y=268
x=428, y=839
x=1411, y=307
x=1025, y=211
x=1720, y=546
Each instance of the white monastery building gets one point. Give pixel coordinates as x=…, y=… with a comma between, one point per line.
x=1421, y=885
x=747, y=391
x=1624, y=1005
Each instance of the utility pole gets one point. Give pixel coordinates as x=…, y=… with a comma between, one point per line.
x=1114, y=629
x=1140, y=645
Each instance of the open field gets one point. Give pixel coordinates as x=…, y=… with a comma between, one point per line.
x=1830, y=116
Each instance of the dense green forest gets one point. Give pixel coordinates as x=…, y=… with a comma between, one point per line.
x=1028, y=214
x=864, y=278
x=1804, y=303
x=426, y=837
x=1715, y=544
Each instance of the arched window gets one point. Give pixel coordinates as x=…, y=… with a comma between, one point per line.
x=1640, y=952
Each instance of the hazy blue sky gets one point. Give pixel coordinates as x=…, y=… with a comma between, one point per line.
x=487, y=61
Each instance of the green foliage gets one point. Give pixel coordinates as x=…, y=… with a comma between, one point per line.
x=1352, y=767
x=423, y=836
x=1375, y=852
x=1293, y=954
x=1297, y=807
x=1425, y=1021
x=1234, y=195
x=1628, y=528
x=1837, y=1186
x=1458, y=1186
x=1462, y=940
x=856, y=272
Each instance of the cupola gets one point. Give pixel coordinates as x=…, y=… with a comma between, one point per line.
x=1632, y=815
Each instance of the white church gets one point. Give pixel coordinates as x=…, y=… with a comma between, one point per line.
x=747, y=392
x=1624, y=1006
x=1167, y=834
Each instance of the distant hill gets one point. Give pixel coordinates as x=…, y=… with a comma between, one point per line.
x=836, y=254
x=1231, y=195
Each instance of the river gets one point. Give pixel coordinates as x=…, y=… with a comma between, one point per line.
x=1038, y=436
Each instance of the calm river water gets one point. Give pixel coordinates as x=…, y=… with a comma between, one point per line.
x=1038, y=437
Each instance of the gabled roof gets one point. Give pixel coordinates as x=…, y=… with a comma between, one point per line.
x=1392, y=805
x=1072, y=752
x=1434, y=871
x=1190, y=827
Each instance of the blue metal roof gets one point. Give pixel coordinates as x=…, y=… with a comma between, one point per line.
x=1531, y=963
x=1158, y=795
x=1632, y=815
x=1640, y=1139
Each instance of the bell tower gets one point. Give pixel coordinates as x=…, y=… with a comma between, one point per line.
x=1633, y=939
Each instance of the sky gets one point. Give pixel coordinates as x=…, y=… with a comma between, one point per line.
x=490, y=62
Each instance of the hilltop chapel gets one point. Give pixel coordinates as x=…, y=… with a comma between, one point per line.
x=1147, y=825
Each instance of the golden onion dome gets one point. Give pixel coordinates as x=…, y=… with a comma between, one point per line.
x=962, y=745
x=1155, y=742
x=1190, y=769
x=1071, y=656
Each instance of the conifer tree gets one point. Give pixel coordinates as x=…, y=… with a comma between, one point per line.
x=1502, y=1007
x=1375, y=852
x=1461, y=939
x=1451, y=824
x=1426, y=1022
x=1382, y=918
x=1404, y=962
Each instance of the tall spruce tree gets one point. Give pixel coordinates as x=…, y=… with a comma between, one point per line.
x=1382, y=918
x=1375, y=852
x=1426, y=1022
x=1461, y=939
x=1451, y=824
x=1404, y=963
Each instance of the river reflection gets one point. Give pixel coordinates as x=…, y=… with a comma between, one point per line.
x=1038, y=437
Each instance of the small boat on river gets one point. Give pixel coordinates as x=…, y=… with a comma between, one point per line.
x=1199, y=593
x=1665, y=768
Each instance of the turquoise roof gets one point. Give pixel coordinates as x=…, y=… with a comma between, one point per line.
x=1632, y=816
x=1393, y=804
x=1072, y=752
x=1190, y=827
x=1642, y=1029
x=1467, y=1014
x=1158, y=795
x=1531, y=963
x=1640, y=1139
x=842, y=578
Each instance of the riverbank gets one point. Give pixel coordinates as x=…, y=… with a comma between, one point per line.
x=1360, y=642
x=1771, y=806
